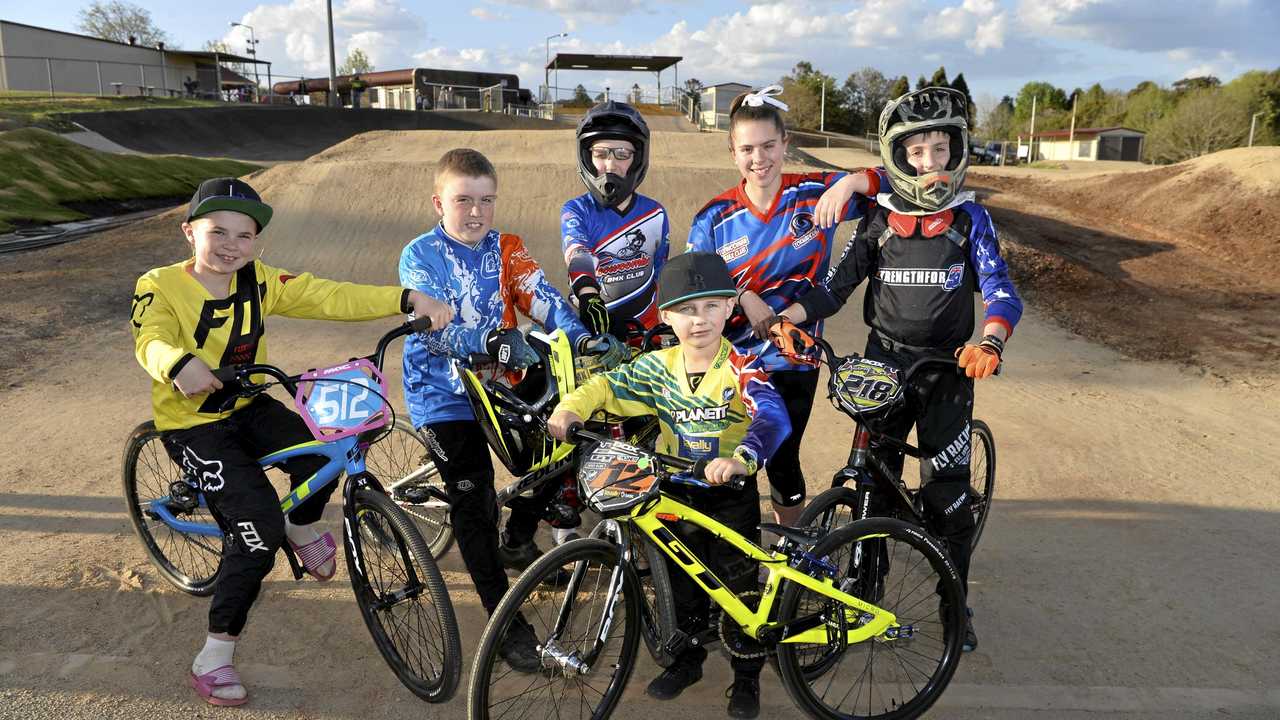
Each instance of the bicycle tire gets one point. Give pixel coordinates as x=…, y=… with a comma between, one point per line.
x=916, y=611
x=982, y=466
x=658, y=611
x=395, y=456
x=190, y=562
x=434, y=678
x=487, y=669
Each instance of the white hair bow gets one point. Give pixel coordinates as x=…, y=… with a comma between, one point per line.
x=766, y=95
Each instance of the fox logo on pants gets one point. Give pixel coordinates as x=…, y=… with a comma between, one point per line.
x=206, y=474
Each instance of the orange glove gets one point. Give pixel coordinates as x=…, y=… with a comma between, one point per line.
x=981, y=360
x=794, y=344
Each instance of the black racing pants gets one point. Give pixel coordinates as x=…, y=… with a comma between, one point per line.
x=740, y=510
x=221, y=458
x=461, y=453
x=939, y=404
x=786, y=477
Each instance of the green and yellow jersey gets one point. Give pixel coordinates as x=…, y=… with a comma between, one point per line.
x=732, y=411
x=175, y=319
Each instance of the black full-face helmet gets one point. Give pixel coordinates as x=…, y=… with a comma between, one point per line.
x=932, y=109
x=612, y=121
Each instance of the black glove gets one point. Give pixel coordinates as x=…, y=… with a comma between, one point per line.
x=593, y=313
x=612, y=351
x=508, y=347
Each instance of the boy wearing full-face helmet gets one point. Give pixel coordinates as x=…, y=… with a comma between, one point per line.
x=924, y=250
x=615, y=239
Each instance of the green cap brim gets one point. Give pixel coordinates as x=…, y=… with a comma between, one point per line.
x=705, y=293
x=260, y=212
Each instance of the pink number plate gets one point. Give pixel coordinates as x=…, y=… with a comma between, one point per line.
x=343, y=400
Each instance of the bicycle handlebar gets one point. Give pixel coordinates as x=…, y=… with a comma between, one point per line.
x=833, y=360
x=696, y=470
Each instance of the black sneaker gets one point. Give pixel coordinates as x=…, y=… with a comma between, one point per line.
x=520, y=647
x=970, y=637
x=518, y=557
x=744, y=697
x=674, y=680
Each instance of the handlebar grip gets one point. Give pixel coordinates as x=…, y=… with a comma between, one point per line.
x=226, y=374
x=574, y=434
x=421, y=324
x=699, y=471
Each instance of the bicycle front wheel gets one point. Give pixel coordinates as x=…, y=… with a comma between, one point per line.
x=658, y=608
x=402, y=598
x=191, y=561
x=586, y=634
x=982, y=473
x=401, y=462
x=899, y=673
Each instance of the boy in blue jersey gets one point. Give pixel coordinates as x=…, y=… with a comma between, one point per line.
x=924, y=251
x=485, y=276
x=615, y=239
x=775, y=231
x=703, y=373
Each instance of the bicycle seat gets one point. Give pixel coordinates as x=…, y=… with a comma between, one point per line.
x=804, y=537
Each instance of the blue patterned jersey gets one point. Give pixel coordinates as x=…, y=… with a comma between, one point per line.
x=485, y=285
x=624, y=254
x=779, y=254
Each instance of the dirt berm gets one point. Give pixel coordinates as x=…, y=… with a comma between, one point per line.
x=274, y=133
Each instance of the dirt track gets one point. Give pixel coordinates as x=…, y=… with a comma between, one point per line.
x=1128, y=569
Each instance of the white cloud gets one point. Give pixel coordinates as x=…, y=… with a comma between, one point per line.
x=486, y=15
x=294, y=36
x=576, y=12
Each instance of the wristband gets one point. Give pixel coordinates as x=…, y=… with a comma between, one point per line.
x=747, y=456
x=994, y=343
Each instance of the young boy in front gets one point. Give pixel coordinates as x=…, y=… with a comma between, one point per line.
x=615, y=239
x=485, y=277
x=924, y=251
x=207, y=312
x=712, y=403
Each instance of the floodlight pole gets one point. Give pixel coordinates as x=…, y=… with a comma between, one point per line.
x=546, y=72
x=1253, y=124
x=333, y=63
x=253, y=50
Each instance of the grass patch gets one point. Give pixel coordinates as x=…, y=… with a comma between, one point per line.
x=22, y=108
x=43, y=171
x=1049, y=165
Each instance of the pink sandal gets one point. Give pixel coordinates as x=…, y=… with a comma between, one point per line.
x=316, y=554
x=225, y=676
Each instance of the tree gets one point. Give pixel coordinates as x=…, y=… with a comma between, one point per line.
x=996, y=118
x=357, y=62
x=961, y=86
x=120, y=21
x=900, y=87
x=1051, y=106
x=939, y=78
x=1203, y=82
x=1259, y=92
x=866, y=92
x=693, y=85
x=803, y=92
x=221, y=47
x=1146, y=105
x=580, y=96
x=1206, y=120
x=921, y=83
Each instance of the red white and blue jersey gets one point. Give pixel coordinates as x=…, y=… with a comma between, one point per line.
x=486, y=285
x=779, y=254
x=625, y=252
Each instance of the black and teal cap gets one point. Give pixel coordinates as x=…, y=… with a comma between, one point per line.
x=229, y=194
x=694, y=275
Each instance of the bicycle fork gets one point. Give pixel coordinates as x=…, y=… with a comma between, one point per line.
x=571, y=661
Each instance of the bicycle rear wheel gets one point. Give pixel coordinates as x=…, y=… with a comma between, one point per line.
x=982, y=469
x=401, y=462
x=192, y=562
x=402, y=598
x=582, y=675
x=900, y=673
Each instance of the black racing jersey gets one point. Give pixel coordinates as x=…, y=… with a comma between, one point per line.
x=175, y=319
x=922, y=272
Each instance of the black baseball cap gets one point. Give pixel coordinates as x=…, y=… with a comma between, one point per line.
x=229, y=194
x=694, y=275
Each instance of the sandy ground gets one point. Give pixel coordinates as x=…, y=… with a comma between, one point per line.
x=1128, y=569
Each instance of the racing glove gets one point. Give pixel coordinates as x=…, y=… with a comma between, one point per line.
x=792, y=342
x=593, y=313
x=508, y=347
x=612, y=351
x=981, y=360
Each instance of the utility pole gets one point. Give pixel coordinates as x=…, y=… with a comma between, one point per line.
x=1071, y=135
x=1031, y=139
x=333, y=63
x=822, y=113
x=1253, y=124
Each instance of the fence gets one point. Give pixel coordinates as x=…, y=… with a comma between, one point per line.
x=635, y=95
x=77, y=76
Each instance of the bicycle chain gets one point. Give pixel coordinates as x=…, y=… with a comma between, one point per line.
x=733, y=640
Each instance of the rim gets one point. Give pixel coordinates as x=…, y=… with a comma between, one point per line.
x=194, y=559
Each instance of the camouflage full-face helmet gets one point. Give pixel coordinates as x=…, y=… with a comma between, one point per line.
x=931, y=109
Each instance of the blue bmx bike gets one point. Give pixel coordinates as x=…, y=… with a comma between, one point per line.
x=397, y=585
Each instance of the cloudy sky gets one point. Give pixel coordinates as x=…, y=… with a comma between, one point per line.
x=997, y=44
